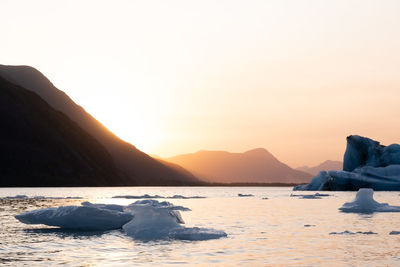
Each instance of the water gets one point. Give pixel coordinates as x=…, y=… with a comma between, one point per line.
x=278, y=231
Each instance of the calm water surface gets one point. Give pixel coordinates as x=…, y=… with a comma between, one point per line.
x=278, y=231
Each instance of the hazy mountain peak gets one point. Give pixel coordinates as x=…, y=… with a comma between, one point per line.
x=253, y=166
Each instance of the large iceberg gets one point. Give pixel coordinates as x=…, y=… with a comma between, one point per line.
x=365, y=203
x=366, y=164
x=144, y=220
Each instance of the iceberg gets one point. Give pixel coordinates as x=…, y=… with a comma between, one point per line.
x=364, y=203
x=145, y=219
x=77, y=217
x=366, y=164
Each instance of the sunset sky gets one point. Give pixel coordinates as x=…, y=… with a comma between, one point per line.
x=171, y=77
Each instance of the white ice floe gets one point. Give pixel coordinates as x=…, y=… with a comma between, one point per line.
x=146, y=219
x=245, y=195
x=77, y=217
x=364, y=203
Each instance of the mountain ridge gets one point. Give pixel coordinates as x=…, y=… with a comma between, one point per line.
x=253, y=166
x=140, y=168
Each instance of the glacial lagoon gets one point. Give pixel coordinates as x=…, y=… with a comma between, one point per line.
x=263, y=225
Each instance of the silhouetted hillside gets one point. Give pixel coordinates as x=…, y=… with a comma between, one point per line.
x=139, y=168
x=42, y=147
x=254, y=166
x=324, y=166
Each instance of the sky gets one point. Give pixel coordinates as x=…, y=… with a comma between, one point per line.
x=172, y=77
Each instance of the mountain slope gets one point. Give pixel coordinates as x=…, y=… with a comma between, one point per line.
x=42, y=147
x=324, y=166
x=254, y=166
x=139, y=168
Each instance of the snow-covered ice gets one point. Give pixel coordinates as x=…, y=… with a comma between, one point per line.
x=364, y=203
x=366, y=164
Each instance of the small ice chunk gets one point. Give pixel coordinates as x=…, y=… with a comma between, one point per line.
x=313, y=196
x=346, y=232
x=196, y=233
x=365, y=203
x=17, y=197
x=77, y=217
x=145, y=196
x=245, y=195
x=183, y=197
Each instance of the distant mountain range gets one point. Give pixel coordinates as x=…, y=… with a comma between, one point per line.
x=130, y=166
x=324, y=166
x=254, y=166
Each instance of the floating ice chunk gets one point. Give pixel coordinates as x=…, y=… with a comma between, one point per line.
x=365, y=203
x=17, y=197
x=161, y=220
x=196, y=233
x=245, y=195
x=353, y=233
x=77, y=217
x=314, y=196
x=183, y=197
x=40, y=197
x=394, y=233
x=138, y=197
x=104, y=206
x=146, y=219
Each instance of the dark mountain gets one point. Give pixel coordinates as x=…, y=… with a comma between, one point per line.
x=42, y=147
x=254, y=166
x=326, y=165
x=138, y=167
